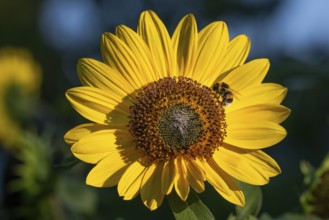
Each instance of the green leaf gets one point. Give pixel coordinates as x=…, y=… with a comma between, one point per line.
x=191, y=209
x=233, y=217
x=77, y=197
x=254, y=199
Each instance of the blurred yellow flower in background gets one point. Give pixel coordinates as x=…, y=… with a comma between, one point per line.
x=170, y=113
x=20, y=80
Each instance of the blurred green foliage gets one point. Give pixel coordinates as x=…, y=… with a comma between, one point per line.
x=42, y=189
x=315, y=200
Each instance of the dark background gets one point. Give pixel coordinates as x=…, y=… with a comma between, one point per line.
x=293, y=34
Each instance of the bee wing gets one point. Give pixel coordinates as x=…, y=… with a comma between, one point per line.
x=235, y=93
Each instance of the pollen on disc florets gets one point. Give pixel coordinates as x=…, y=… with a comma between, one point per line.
x=177, y=116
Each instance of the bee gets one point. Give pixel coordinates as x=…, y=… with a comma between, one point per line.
x=226, y=93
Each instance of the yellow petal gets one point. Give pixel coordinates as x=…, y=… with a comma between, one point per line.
x=97, y=74
x=151, y=187
x=223, y=183
x=80, y=131
x=182, y=186
x=258, y=113
x=98, y=106
x=96, y=146
x=236, y=54
x=119, y=56
x=185, y=40
x=156, y=36
x=195, y=167
x=109, y=170
x=249, y=74
x=265, y=93
x=250, y=166
x=255, y=135
x=195, y=175
x=168, y=177
x=141, y=51
x=131, y=180
x=213, y=42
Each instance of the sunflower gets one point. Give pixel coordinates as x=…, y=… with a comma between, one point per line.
x=20, y=75
x=170, y=113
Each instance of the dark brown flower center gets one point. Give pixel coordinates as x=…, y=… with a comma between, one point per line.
x=177, y=116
